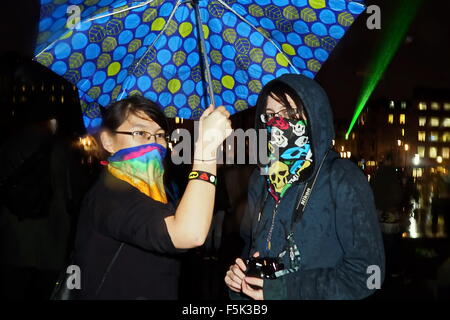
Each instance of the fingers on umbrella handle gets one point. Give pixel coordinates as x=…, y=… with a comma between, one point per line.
x=207, y=112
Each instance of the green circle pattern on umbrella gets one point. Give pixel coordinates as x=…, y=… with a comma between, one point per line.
x=151, y=48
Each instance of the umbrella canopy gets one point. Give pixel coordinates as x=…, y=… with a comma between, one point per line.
x=186, y=54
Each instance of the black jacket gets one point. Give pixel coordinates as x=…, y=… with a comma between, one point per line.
x=114, y=212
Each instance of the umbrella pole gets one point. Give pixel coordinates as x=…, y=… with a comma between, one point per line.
x=203, y=50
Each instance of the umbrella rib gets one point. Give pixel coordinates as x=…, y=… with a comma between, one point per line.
x=120, y=11
x=49, y=46
x=166, y=25
x=256, y=29
x=96, y=18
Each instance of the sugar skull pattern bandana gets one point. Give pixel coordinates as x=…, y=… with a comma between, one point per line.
x=289, y=153
x=142, y=167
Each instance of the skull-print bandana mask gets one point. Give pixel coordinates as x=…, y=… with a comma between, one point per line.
x=290, y=154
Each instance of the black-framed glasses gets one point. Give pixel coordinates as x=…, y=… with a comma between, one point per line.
x=266, y=117
x=145, y=135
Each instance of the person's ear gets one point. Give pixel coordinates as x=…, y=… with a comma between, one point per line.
x=107, y=141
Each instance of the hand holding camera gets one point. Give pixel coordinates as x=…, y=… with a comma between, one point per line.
x=248, y=277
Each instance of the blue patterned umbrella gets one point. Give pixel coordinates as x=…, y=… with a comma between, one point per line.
x=186, y=54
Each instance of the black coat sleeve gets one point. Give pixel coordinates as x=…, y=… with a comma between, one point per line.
x=253, y=199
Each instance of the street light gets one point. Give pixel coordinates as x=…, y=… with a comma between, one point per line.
x=439, y=159
x=406, y=147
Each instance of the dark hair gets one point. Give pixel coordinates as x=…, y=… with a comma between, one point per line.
x=279, y=91
x=114, y=115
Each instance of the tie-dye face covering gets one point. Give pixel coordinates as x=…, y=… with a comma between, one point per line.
x=142, y=167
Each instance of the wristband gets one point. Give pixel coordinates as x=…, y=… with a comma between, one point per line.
x=203, y=175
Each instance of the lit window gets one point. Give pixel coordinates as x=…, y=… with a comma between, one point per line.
x=421, y=151
x=434, y=136
x=447, y=106
x=446, y=153
x=422, y=106
x=422, y=121
x=422, y=136
x=446, y=122
x=391, y=104
x=434, y=106
x=434, y=122
x=391, y=118
x=446, y=137
x=433, y=152
x=403, y=132
x=417, y=172
x=403, y=105
x=402, y=119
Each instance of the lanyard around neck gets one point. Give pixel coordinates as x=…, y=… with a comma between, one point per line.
x=304, y=197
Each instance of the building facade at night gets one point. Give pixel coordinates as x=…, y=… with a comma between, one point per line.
x=432, y=123
x=415, y=133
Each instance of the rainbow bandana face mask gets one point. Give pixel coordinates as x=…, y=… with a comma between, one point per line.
x=289, y=153
x=142, y=167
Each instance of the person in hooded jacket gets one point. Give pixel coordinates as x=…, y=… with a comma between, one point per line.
x=329, y=244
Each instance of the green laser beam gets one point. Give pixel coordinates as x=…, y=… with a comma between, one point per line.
x=394, y=35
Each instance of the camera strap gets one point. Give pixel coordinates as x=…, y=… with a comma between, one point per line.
x=291, y=246
x=304, y=197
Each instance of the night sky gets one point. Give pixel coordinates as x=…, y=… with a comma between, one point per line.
x=422, y=60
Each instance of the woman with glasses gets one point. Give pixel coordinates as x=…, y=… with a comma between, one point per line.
x=310, y=228
x=128, y=232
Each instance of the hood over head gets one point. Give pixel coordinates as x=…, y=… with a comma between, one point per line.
x=318, y=112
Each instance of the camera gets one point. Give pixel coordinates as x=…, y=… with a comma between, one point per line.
x=263, y=268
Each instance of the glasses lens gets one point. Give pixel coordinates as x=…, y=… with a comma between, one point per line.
x=160, y=137
x=283, y=113
x=267, y=117
x=141, y=135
